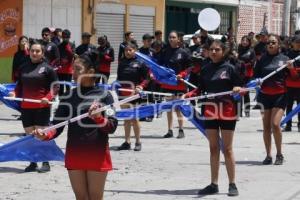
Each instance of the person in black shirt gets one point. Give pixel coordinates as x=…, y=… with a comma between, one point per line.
x=51, y=50
x=179, y=60
x=261, y=47
x=182, y=43
x=36, y=81
x=128, y=38
x=220, y=114
x=196, y=52
x=158, y=37
x=147, y=41
x=85, y=45
x=21, y=56
x=66, y=51
x=246, y=59
x=146, y=49
x=132, y=74
x=293, y=82
x=57, y=39
x=272, y=96
x=106, y=56
x=87, y=157
x=205, y=38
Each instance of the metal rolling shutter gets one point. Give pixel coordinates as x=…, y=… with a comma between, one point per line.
x=140, y=25
x=141, y=21
x=109, y=21
x=38, y=14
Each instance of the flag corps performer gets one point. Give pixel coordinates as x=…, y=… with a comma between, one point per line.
x=272, y=96
x=220, y=114
x=35, y=80
x=87, y=151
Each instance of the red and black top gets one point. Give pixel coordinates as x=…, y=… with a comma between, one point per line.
x=267, y=64
x=215, y=78
x=36, y=82
x=246, y=57
x=52, y=55
x=106, y=57
x=87, y=144
x=134, y=72
x=180, y=61
x=66, y=58
x=293, y=79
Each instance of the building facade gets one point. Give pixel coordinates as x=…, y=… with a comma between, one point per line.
x=114, y=17
x=182, y=15
x=108, y=17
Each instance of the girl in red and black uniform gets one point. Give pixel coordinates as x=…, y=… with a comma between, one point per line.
x=66, y=51
x=220, y=114
x=87, y=151
x=179, y=60
x=246, y=58
x=132, y=74
x=21, y=56
x=293, y=82
x=36, y=81
x=105, y=57
x=272, y=96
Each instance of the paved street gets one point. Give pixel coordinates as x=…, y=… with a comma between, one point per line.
x=165, y=169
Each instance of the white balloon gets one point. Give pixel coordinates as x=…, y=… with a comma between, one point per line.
x=209, y=19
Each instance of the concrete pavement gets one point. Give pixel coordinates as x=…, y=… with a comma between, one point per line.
x=165, y=169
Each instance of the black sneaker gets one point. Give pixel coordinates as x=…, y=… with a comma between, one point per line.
x=149, y=119
x=169, y=134
x=32, y=167
x=142, y=119
x=124, y=146
x=180, y=134
x=256, y=107
x=232, y=191
x=279, y=160
x=138, y=147
x=267, y=161
x=247, y=114
x=208, y=190
x=44, y=168
x=287, y=129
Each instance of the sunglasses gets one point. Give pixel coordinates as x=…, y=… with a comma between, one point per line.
x=215, y=49
x=272, y=43
x=45, y=34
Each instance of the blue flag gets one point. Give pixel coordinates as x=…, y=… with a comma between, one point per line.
x=152, y=109
x=290, y=115
x=4, y=92
x=193, y=116
x=30, y=149
x=161, y=74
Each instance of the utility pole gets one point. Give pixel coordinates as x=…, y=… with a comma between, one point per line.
x=286, y=18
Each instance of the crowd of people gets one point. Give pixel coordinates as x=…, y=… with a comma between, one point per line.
x=212, y=65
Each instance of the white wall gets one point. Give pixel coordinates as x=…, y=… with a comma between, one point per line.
x=52, y=13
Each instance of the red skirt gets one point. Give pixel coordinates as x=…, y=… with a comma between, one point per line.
x=89, y=158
